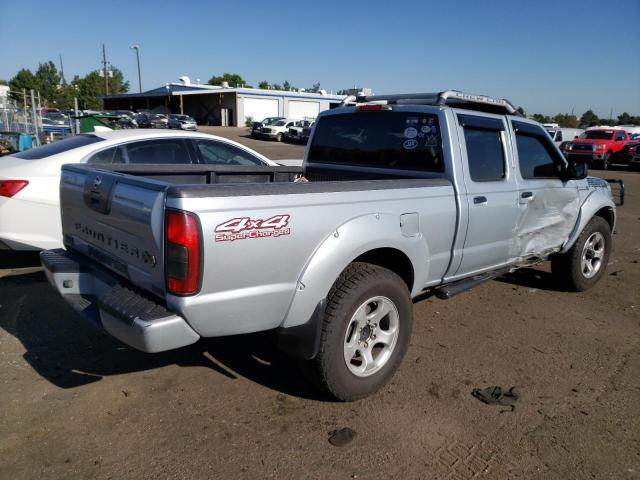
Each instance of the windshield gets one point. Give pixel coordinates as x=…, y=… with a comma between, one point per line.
x=398, y=140
x=270, y=120
x=58, y=147
x=280, y=123
x=597, y=135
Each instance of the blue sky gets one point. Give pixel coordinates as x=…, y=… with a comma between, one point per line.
x=548, y=56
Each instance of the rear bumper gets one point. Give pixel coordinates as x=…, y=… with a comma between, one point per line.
x=102, y=299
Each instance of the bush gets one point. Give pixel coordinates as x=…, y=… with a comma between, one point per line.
x=248, y=121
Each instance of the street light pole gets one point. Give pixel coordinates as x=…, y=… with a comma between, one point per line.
x=137, y=49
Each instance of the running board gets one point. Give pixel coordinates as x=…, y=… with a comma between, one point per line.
x=452, y=289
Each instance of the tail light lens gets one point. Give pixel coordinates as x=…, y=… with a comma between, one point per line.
x=372, y=107
x=8, y=188
x=182, y=266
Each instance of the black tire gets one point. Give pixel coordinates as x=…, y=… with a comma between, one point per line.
x=358, y=283
x=567, y=267
x=279, y=137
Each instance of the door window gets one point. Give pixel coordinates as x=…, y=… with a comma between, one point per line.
x=620, y=136
x=485, y=154
x=218, y=153
x=162, y=151
x=534, y=157
x=104, y=156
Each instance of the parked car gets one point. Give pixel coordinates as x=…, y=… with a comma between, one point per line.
x=29, y=200
x=158, y=120
x=182, y=122
x=561, y=134
x=634, y=153
x=143, y=120
x=294, y=134
x=277, y=129
x=424, y=195
x=56, y=118
x=598, y=147
x=256, y=127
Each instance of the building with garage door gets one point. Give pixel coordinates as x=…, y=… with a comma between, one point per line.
x=227, y=106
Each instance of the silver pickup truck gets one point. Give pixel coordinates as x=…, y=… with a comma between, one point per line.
x=405, y=193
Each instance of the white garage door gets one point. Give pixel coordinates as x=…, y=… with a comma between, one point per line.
x=259, y=108
x=301, y=109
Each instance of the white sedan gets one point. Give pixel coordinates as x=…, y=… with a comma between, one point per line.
x=29, y=180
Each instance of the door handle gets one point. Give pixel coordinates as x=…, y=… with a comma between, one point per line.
x=526, y=197
x=479, y=200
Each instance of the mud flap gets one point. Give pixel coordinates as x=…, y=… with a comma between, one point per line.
x=303, y=341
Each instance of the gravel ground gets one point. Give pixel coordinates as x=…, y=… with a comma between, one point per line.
x=76, y=404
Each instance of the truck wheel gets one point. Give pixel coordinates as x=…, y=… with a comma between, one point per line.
x=365, y=332
x=279, y=137
x=581, y=267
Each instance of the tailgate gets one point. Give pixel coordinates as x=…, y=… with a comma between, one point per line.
x=117, y=220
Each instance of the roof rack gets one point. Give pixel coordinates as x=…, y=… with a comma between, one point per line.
x=451, y=98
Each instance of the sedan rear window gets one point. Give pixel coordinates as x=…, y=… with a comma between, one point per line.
x=397, y=140
x=58, y=147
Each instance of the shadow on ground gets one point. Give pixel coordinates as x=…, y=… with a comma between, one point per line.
x=69, y=353
x=532, y=278
x=19, y=259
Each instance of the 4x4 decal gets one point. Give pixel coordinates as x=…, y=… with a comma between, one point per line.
x=241, y=228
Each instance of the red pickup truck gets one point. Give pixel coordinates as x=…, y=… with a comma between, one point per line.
x=600, y=147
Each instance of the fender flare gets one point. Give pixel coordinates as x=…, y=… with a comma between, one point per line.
x=596, y=201
x=342, y=247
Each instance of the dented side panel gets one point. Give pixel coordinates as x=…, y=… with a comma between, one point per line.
x=548, y=212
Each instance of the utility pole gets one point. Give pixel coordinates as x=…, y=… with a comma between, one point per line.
x=611, y=114
x=106, y=74
x=137, y=49
x=35, y=117
x=62, y=79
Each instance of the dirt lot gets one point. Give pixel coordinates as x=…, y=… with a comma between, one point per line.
x=76, y=404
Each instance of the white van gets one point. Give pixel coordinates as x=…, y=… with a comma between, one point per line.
x=559, y=135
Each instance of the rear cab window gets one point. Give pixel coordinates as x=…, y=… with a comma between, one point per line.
x=58, y=147
x=485, y=149
x=381, y=139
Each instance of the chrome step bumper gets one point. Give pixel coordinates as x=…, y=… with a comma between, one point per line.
x=103, y=299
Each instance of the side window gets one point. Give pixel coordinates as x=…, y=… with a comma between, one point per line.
x=158, y=151
x=218, y=153
x=620, y=136
x=485, y=154
x=559, y=136
x=110, y=155
x=534, y=158
x=104, y=156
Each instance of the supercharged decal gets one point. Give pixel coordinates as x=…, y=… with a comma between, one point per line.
x=242, y=228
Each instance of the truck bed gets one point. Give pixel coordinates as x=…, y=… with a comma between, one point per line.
x=116, y=216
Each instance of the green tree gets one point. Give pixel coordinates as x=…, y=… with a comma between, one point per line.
x=625, y=119
x=538, y=117
x=263, y=85
x=91, y=87
x=276, y=86
x=3, y=82
x=24, y=79
x=233, y=79
x=315, y=88
x=566, y=121
x=521, y=111
x=589, y=118
x=48, y=82
x=286, y=85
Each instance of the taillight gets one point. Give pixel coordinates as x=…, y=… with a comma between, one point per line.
x=8, y=188
x=182, y=266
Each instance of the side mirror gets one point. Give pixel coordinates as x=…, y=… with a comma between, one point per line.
x=577, y=170
x=575, y=137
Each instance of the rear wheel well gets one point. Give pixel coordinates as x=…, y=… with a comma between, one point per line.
x=608, y=215
x=393, y=260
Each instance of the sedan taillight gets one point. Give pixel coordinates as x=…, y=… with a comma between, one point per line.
x=182, y=266
x=8, y=188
